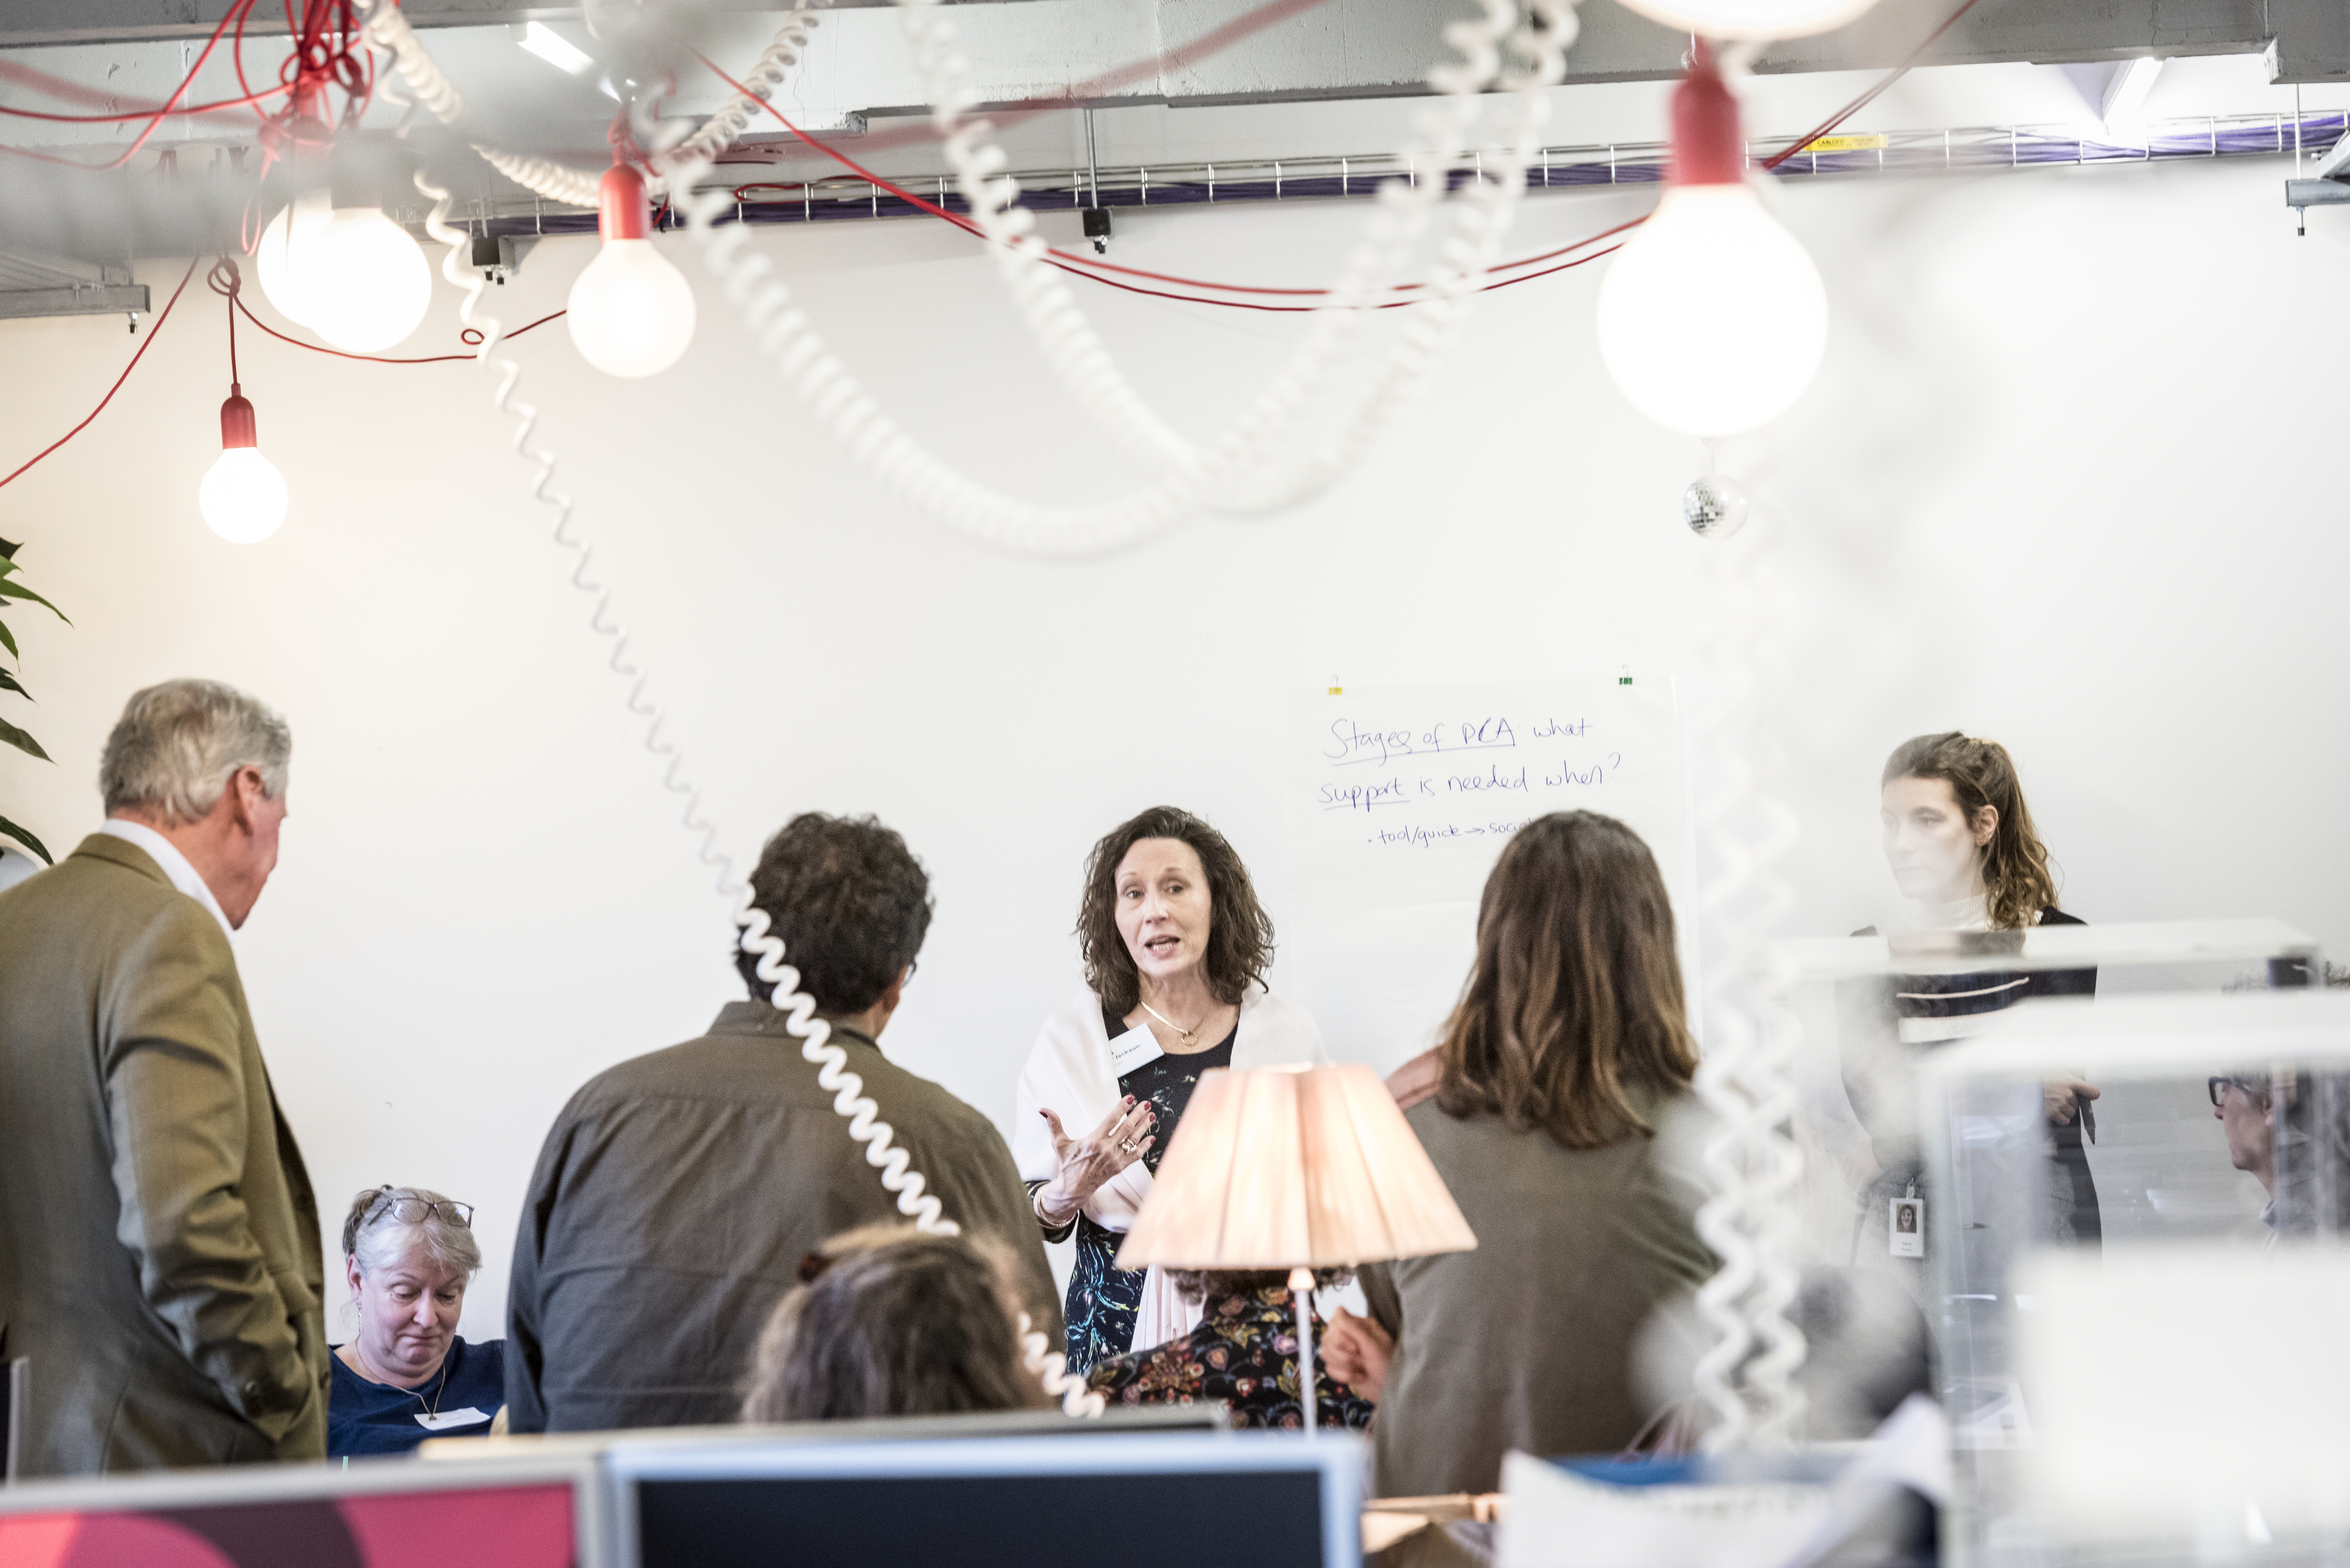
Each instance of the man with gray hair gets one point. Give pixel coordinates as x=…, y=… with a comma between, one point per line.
x=160, y=1265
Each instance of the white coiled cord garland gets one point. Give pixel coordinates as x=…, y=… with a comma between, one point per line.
x=1212, y=476
x=1540, y=32
x=387, y=29
x=1745, y=1078
x=721, y=131
x=1232, y=475
x=798, y=1006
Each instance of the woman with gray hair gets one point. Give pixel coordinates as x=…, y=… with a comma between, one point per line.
x=408, y=1254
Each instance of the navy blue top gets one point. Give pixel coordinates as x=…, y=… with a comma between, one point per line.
x=364, y=1418
x=1103, y=1297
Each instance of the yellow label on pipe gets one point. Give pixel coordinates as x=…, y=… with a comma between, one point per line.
x=1844, y=144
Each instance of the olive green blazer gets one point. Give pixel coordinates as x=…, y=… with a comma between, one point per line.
x=159, y=1260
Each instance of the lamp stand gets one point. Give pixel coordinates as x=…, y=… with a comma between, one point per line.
x=1301, y=1285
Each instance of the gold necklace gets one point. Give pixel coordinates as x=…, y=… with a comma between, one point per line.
x=1187, y=1034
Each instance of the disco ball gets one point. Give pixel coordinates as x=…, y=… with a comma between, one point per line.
x=1714, y=507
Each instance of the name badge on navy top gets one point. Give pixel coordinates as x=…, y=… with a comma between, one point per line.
x=468, y=1417
x=1134, y=1048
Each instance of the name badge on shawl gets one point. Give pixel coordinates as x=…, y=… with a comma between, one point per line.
x=1136, y=1048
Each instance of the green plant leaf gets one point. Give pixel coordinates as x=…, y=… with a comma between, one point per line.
x=12, y=736
x=7, y=641
x=9, y=551
x=10, y=830
x=6, y=565
x=10, y=683
x=10, y=590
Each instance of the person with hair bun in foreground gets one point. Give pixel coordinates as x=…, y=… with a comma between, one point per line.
x=1540, y=1108
x=890, y=1321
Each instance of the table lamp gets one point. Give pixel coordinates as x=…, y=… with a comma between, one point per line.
x=1296, y=1170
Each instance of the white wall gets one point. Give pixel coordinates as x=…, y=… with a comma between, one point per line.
x=2065, y=481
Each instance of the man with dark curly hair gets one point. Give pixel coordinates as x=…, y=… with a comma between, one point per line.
x=678, y=1193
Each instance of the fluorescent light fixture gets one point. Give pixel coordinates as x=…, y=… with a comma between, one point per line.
x=555, y=48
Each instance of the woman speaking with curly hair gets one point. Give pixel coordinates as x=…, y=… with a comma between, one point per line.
x=1175, y=947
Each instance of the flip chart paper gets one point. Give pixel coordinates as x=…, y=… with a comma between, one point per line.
x=1399, y=802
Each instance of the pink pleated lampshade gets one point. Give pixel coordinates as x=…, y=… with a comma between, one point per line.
x=1285, y=1169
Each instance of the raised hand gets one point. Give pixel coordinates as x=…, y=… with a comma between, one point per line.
x=1088, y=1162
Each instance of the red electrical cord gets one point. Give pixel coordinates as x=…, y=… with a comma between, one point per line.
x=1085, y=268
x=154, y=120
x=224, y=279
x=226, y=268
x=1067, y=263
x=192, y=109
x=93, y=413
x=327, y=53
x=1865, y=99
x=1093, y=270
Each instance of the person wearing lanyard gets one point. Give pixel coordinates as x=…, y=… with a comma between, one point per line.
x=408, y=1253
x=1175, y=946
x=1962, y=848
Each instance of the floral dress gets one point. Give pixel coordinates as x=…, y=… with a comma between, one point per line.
x=1244, y=1353
x=1103, y=1297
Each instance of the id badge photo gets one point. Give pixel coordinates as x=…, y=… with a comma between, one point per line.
x=1906, y=1225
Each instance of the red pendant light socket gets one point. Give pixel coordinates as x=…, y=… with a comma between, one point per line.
x=236, y=421
x=1709, y=146
x=622, y=213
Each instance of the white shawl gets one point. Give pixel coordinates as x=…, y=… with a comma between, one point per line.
x=1070, y=1071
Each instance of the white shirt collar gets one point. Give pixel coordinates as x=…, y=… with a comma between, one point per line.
x=174, y=864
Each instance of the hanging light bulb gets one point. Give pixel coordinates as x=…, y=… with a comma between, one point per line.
x=346, y=272
x=1712, y=319
x=370, y=283
x=631, y=312
x=286, y=281
x=243, y=496
x=1750, y=19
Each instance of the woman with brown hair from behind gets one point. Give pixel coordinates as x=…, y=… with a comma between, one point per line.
x=1541, y=1106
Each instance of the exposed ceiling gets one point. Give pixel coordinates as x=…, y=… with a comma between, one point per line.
x=193, y=184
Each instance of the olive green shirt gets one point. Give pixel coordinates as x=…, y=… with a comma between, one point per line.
x=1526, y=1343
x=159, y=1262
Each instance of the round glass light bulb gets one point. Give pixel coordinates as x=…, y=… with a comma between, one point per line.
x=367, y=283
x=243, y=496
x=1751, y=18
x=284, y=277
x=631, y=311
x=1712, y=319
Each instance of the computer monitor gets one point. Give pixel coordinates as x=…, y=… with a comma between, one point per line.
x=1234, y=1500
x=376, y=1513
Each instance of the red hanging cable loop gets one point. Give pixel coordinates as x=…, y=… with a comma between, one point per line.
x=226, y=281
x=152, y=333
